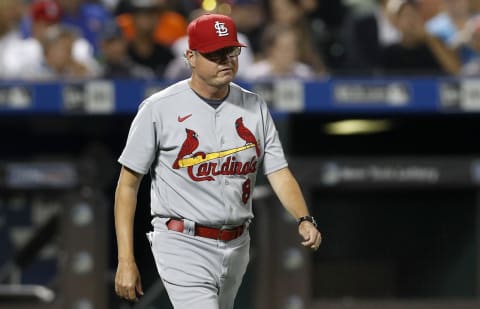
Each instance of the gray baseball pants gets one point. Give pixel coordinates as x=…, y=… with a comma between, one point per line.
x=199, y=272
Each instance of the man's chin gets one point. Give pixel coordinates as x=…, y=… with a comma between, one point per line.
x=225, y=77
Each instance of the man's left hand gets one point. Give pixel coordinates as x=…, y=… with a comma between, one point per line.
x=310, y=234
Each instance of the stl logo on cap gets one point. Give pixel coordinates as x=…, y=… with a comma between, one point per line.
x=211, y=32
x=222, y=30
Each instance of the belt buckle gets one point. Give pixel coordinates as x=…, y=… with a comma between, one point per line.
x=189, y=227
x=220, y=232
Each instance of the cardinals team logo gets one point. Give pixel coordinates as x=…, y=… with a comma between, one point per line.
x=221, y=29
x=188, y=158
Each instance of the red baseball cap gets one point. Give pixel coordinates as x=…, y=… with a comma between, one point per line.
x=46, y=10
x=211, y=32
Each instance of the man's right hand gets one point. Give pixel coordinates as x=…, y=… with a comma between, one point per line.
x=127, y=281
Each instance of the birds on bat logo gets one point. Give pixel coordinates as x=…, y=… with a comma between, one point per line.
x=246, y=134
x=188, y=147
x=187, y=157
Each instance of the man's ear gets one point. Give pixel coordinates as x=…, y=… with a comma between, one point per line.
x=190, y=57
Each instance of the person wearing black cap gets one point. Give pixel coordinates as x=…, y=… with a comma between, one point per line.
x=115, y=61
x=142, y=48
x=202, y=140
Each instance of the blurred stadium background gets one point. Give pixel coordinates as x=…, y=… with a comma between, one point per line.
x=390, y=165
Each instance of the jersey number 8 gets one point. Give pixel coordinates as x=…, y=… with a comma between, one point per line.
x=246, y=190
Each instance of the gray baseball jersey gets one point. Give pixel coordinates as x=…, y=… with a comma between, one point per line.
x=203, y=161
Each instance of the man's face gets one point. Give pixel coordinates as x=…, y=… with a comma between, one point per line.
x=216, y=68
x=39, y=28
x=145, y=21
x=409, y=21
x=285, y=49
x=114, y=50
x=58, y=54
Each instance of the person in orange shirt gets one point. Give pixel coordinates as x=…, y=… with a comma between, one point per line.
x=171, y=25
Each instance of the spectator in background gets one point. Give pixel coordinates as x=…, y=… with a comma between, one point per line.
x=86, y=16
x=114, y=57
x=282, y=54
x=326, y=20
x=28, y=54
x=249, y=15
x=43, y=14
x=142, y=48
x=291, y=13
x=169, y=27
x=58, y=61
x=447, y=26
x=10, y=11
x=418, y=52
x=366, y=37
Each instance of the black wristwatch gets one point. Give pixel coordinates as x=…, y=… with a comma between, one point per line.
x=309, y=219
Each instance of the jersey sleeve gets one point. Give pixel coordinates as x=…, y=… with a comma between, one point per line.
x=274, y=156
x=141, y=145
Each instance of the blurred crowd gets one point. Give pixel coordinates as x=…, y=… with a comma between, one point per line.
x=306, y=39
